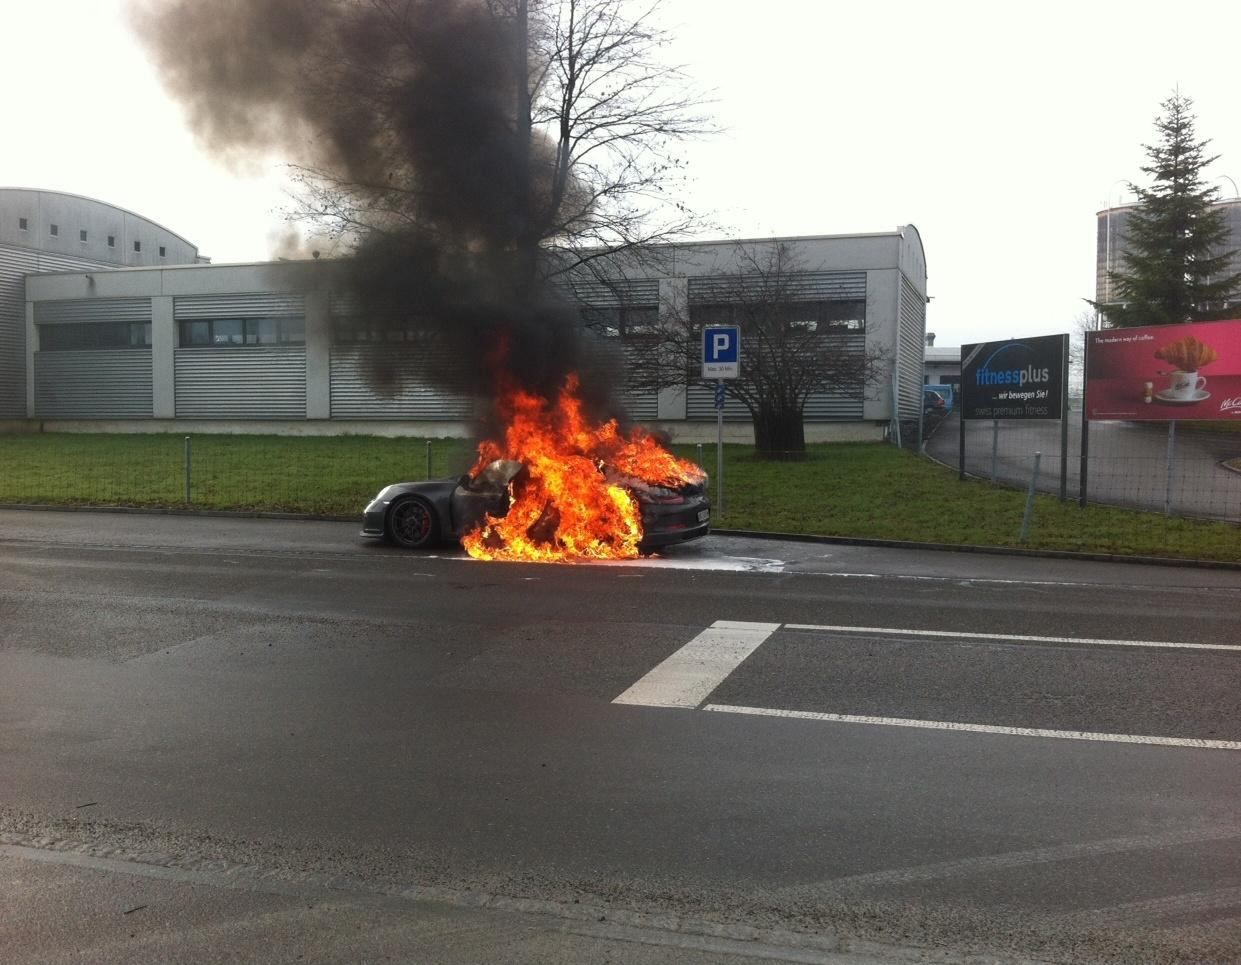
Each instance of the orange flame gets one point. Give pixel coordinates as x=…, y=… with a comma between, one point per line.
x=572, y=501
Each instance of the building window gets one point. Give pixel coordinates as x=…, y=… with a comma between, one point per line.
x=82, y=235
x=111, y=241
x=87, y=336
x=23, y=224
x=627, y=321
x=55, y=230
x=163, y=252
x=137, y=246
x=831, y=317
x=223, y=332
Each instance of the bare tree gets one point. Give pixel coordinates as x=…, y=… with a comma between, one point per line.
x=585, y=145
x=796, y=345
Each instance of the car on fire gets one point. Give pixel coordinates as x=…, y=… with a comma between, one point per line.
x=420, y=515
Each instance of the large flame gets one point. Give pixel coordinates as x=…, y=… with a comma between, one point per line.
x=575, y=499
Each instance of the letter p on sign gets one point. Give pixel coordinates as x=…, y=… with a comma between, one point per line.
x=721, y=352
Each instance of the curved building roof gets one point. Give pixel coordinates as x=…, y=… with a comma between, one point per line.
x=76, y=226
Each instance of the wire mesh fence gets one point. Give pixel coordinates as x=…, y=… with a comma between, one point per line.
x=1180, y=470
x=1177, y=476
x=859, y=489
x=326, y=475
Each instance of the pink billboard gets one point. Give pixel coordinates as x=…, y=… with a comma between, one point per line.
x=1165, y=372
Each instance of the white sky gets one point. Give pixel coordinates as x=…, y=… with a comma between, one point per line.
x=998, y=129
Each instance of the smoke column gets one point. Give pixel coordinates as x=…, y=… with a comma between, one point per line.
x=406, y=115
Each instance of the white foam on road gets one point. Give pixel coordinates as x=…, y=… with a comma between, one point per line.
x=687, y=677
x=1014, y=637
x=1074, y=735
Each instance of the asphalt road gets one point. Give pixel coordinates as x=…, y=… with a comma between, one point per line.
x=243, y=739
x=1128, y=462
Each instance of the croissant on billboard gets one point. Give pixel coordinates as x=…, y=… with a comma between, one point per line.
x=1162, y=373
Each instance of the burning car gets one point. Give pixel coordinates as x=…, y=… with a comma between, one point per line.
x=557, y=486
x=419, y=515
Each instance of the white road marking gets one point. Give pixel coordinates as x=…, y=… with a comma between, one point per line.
x=1074, y=735
x=1144, y=913
x=987, y=864
x=1020, y=637
x=687, y=677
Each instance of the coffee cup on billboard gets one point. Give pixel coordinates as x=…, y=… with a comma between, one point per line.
x=1186, y=385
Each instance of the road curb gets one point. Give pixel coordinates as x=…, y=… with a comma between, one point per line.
x=753, y=534
x=907, y=544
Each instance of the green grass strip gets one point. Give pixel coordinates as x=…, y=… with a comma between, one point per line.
x=845, y=489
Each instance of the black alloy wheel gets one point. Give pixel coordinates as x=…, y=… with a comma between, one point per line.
x=412, y=523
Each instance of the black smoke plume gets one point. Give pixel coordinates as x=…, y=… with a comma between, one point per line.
x=407, y=120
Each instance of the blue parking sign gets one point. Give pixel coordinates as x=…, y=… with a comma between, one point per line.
x=721, y=352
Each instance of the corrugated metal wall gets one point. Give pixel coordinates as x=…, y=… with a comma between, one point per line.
x=642, y=405
x=796, y=286
x=99, y=384
x=416, y=398
x=241, y=382
x=239, y=305
x=15, y=263
x=96, y=383
x=93, y=310
x=811, y=286
x=911, y=345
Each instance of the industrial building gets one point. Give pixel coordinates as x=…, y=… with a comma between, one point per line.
x=942, y=364
x=1110, y=246
x=186, y=346
x=44, y=231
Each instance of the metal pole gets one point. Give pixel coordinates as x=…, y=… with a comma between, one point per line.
x=961, y=443
x=1025, y=522
x=189, y=462
x=1085, y=448
x=1167, y=493
x=896, y=410
x=995, y=447
x=921, y=422
x=700, y=454
x=719, y=451
x=428, y=458
x=1064, y=421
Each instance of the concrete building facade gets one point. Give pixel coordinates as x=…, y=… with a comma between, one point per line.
x=267, y=347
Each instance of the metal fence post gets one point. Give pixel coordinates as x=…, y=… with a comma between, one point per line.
x=1167, y=493
x=1025, y=522
x=700, y=455
x=995, y=447
x=428, y=458
x=189, y=467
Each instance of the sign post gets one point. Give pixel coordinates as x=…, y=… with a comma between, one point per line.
x=721, y=359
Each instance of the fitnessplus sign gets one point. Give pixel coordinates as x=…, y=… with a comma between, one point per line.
x=1017, y=379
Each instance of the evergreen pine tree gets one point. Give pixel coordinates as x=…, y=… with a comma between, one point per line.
x=1177, y=264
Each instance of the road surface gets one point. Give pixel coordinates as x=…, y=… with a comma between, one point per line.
x=246, y=739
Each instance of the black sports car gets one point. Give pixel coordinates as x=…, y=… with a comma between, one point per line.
x=418, y=515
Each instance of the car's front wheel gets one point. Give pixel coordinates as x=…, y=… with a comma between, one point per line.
x=412, y=524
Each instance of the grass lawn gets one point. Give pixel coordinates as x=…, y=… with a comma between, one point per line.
x=872, y=490
x=845, y=489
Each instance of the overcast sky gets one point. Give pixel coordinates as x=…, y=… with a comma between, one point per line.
x=998, y=129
